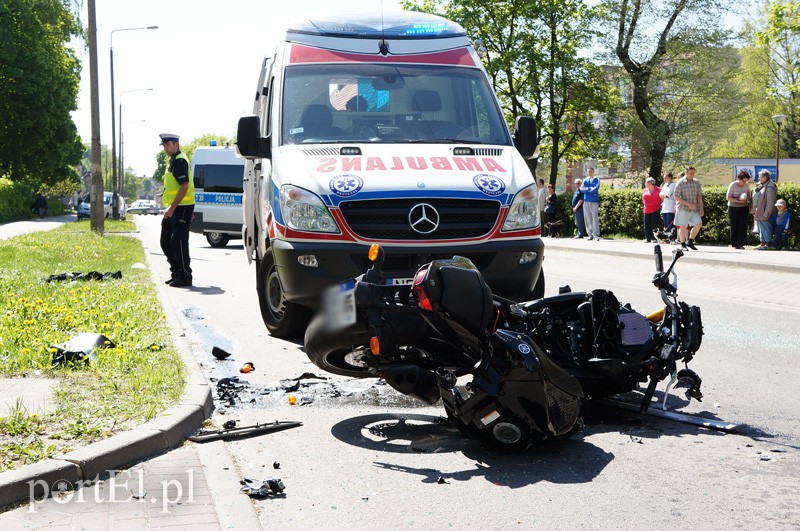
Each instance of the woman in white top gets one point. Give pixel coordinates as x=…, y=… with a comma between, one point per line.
x=668, y=202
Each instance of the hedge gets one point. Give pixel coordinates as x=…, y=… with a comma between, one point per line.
x=621, y=213
x=16, y=201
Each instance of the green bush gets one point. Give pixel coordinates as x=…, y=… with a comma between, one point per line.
x=621, y=213
x=16, y=200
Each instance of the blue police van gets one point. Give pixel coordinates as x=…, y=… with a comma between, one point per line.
x=218, y=175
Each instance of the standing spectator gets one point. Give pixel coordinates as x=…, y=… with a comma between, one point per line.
x=651, y=200
x=577, y=210
x=541, y=199
x=765, y=208
x=783, y=222
x=40, y=204
x=668, y=203
x=689, y=209
x=591, y=203
x=739, y=196
x=550, y=207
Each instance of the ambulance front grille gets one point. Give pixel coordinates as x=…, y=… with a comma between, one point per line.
x=388, y=219
x=488, y=152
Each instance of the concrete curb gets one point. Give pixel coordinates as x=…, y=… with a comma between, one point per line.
x=169, y=429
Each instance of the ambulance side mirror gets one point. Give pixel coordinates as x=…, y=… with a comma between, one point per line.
x=249, y=143
x=525, y=137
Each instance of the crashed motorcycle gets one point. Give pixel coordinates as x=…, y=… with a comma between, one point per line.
x=422, y=340
x=530, y=362
x=610, y=348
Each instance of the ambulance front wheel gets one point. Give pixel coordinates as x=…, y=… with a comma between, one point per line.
x=217, y=239
x=282, y=318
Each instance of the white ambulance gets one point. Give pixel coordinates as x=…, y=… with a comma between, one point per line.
x=218, y=176
x=382, y=128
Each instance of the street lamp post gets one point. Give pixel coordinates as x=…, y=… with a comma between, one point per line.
x=121, y=183
x=778, y=118
x=115, y=207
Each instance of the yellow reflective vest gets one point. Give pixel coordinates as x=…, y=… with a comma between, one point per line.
x=171, y=185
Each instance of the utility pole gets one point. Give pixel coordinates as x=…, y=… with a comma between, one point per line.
x=96, y=213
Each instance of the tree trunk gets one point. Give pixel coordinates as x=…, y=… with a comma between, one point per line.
x=96, y=212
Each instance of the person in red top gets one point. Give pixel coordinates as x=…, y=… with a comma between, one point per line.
x=652, y=208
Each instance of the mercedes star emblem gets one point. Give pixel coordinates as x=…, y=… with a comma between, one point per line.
x=423, y=218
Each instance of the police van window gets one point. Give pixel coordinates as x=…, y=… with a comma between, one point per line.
x=357, y=95
x=221, y=178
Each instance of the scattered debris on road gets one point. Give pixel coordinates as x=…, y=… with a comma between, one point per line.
x=268, y=488
x=244, y=431
x=248, y=367
x=219, y=353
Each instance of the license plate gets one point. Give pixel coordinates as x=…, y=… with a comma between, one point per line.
x=400, y=281
x=340, y=305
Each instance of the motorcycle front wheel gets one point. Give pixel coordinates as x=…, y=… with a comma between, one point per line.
x=338, y=352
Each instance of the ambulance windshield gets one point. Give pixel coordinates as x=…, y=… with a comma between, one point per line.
x=362, y=103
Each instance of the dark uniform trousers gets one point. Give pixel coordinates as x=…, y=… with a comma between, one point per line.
x=175, y=241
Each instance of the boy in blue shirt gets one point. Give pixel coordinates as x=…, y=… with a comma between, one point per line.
x=780, y=238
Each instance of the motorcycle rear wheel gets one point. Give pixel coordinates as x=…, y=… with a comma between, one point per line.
x=338, y=352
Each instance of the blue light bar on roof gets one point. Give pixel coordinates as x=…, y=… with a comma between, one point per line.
x=394, y=25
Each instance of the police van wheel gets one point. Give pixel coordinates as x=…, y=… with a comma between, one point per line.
x=217, y=239
x=282, y=318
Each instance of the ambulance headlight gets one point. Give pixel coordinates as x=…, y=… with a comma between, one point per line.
x=523, y=212
x=304, y=211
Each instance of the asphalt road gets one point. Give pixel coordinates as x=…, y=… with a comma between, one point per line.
x=366, y=458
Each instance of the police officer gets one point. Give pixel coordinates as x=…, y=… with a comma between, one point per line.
x=179, y=200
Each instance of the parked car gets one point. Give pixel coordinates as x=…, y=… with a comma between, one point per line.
x=84, y=208
x=143, y=206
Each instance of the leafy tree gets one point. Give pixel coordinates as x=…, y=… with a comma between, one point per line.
x=39, y=76
x=533, y=62
x=781, y=42
x=655, y=37
x=161, y=166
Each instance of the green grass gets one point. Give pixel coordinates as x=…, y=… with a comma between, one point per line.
x=129, y=383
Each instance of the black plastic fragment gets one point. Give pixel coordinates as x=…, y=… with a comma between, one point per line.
x=219, y=353
x=80, y=349
x=91, y=275
x=272, y=487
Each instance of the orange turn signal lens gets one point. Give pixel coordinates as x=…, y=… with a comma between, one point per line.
x=375, y=345
x=373, y=252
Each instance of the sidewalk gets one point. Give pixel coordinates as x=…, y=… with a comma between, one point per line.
x=749, y=258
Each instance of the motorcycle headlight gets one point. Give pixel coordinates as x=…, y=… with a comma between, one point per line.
x=523, y=212
x=304, y=211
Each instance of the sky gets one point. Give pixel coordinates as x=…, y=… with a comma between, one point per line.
x=202, y=64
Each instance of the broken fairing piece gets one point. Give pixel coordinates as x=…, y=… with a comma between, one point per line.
x=219, y=353
x=268, y=487
x=81, y=348
x=244, y=431
x=91, y=275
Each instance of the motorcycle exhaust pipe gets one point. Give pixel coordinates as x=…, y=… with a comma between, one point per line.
x=413, y=380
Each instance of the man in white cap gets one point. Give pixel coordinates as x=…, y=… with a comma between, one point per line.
x=179, y=200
